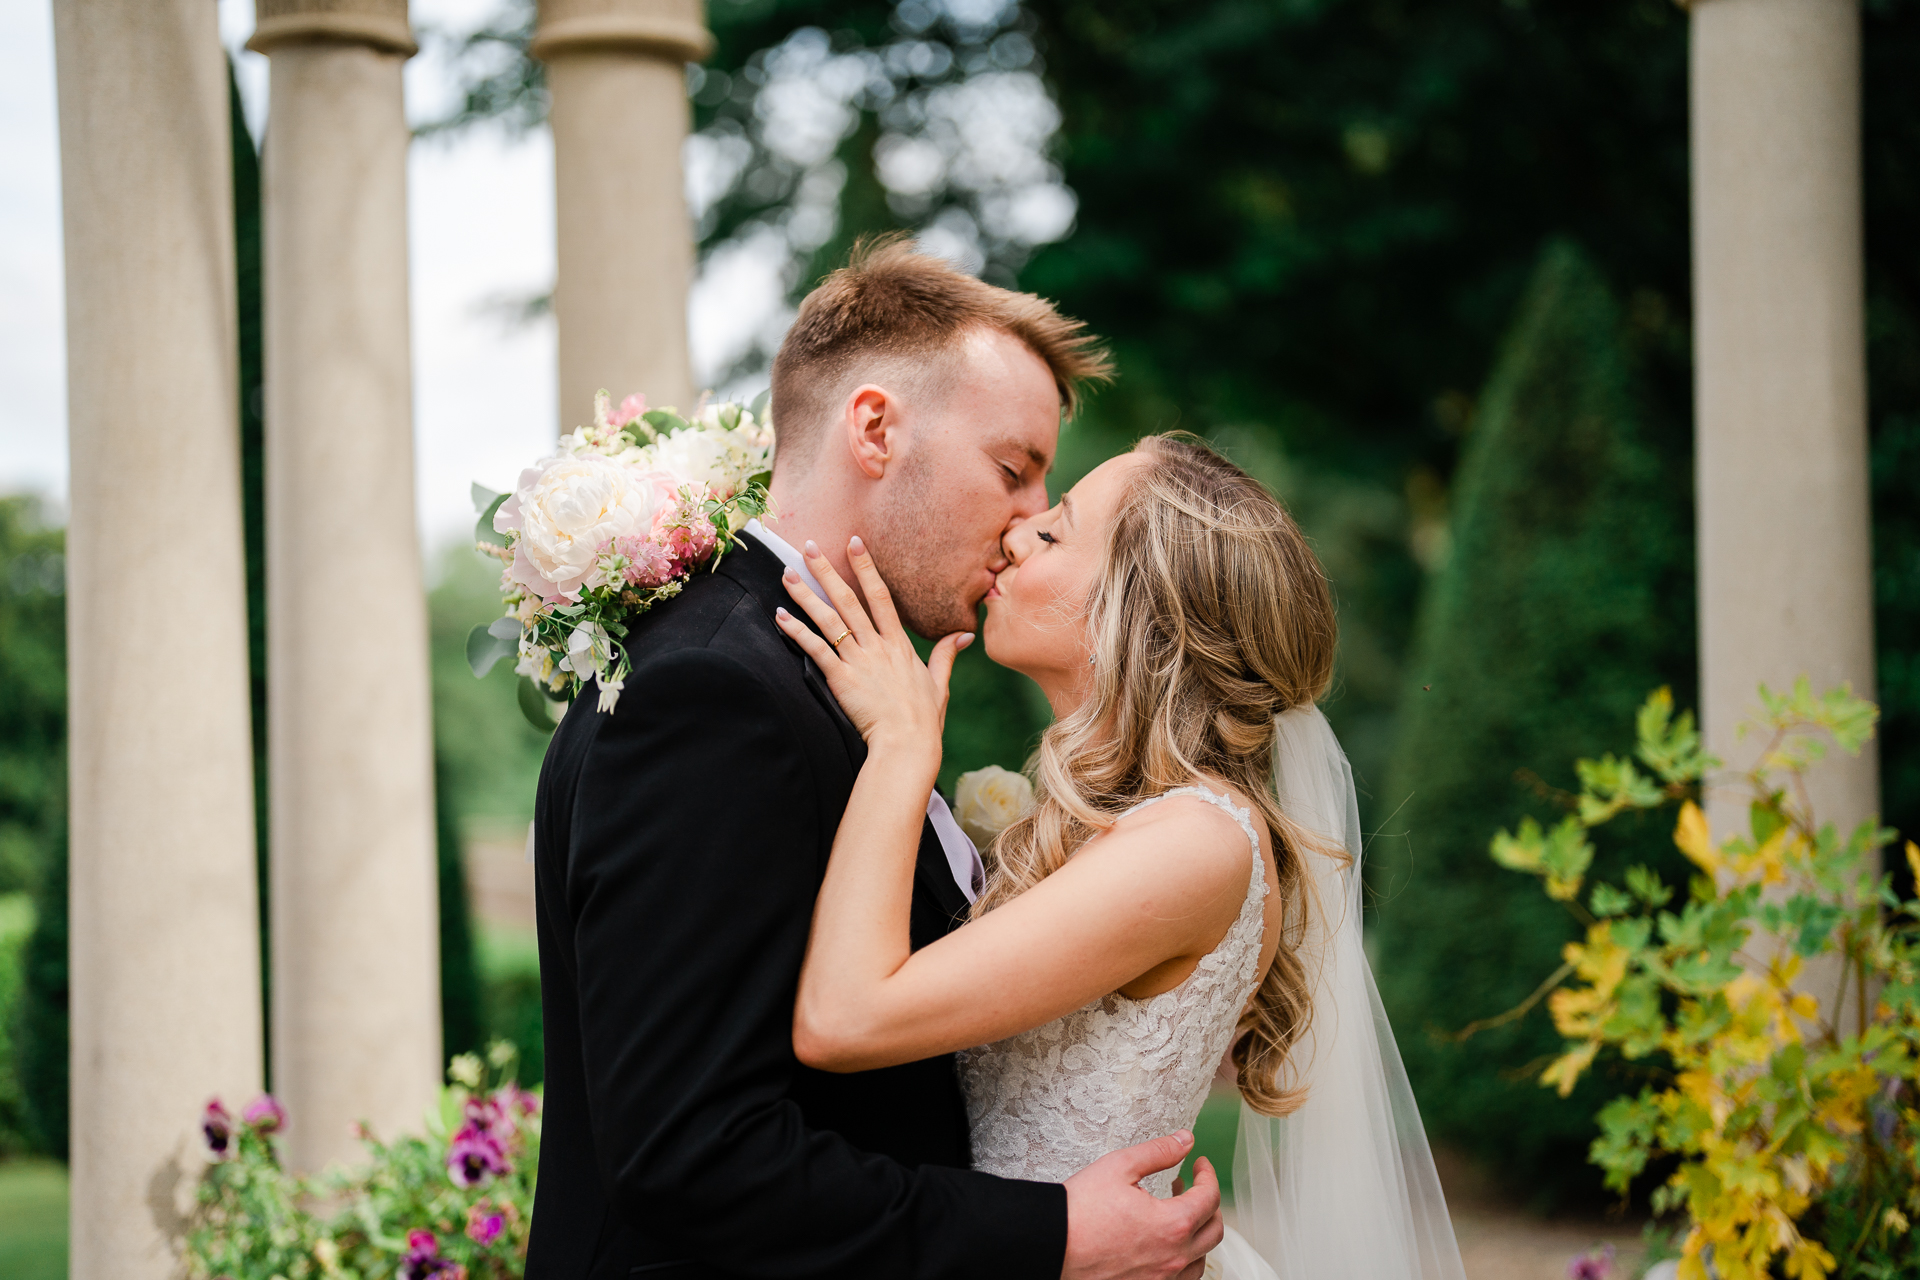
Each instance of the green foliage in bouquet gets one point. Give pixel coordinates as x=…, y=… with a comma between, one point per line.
x=1776, y=1001
x=1566, y=593
x=454, y=1204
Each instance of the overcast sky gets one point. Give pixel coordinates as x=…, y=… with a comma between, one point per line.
x=481, y=223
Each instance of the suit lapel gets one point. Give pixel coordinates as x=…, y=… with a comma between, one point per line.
x=758, y=570
x=933, y=876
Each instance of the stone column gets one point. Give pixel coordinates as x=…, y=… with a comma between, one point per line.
x=617, y=73
x=165, y=937
x=355, y=999
x=1780, y=374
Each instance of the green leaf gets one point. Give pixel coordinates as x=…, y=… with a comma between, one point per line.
x=759, y=406
x=484, y=647
x=1648, y=887
x=485, y=499
x=1669, y=745
x=483, y=530
x=1609, y=785
x=1609, y=901
x=535, y=706
x=664, y=421
x=1560, y=856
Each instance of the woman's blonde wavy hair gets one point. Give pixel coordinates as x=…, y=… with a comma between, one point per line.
x=1209, y=617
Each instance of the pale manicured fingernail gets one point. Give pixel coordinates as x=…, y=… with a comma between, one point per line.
x=813, y=548
x=790, y=575
x=966, y=639
x=783, y=615
x=856, y=546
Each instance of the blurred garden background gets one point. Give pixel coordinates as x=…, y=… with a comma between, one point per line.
x=1422, y=267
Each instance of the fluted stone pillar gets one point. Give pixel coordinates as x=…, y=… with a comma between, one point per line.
x=1780, y=374
x=616, y=70
x=355, y=1001
x=165, y=939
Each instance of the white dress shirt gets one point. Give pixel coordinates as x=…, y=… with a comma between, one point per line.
x=962, y=858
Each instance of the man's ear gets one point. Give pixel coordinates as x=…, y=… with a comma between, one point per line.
x=871, y=422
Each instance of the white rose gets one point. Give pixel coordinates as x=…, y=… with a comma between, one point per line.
x=988, y=801
x=565, y=510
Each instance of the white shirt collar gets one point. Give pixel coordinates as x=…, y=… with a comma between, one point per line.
x=787, y=553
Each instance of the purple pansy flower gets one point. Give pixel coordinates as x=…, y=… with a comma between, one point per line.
x=1597, y=1265
x=484, y=1228
x=474, y=1156
x=423, y=1260
x=218, y=1126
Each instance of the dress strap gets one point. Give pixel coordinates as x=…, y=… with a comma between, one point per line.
x=1219, y=801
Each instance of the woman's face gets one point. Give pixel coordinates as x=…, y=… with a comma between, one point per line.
x=1036, y=609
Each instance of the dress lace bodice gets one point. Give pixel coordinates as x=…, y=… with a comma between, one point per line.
x=1046, y=1103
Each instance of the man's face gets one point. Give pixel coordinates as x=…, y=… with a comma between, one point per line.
x=976, y=459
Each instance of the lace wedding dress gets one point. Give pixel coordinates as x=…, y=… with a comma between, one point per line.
x=1048, y=1102
x=1343, y=1188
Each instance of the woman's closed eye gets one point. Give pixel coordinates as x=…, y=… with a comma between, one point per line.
x=1045, y=537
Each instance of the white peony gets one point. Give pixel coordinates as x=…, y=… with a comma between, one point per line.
x=988, y=801
x=695, y=455
x=568, y=508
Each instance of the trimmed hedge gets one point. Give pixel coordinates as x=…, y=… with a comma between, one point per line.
x=1567, y=597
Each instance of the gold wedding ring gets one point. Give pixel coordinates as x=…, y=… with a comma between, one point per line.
x=835, y=642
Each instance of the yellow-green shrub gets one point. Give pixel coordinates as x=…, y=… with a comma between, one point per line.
x=1771, y=1097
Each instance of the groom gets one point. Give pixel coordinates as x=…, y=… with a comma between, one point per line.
x=680, y=841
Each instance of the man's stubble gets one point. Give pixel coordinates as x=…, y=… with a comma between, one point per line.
x=914, y=552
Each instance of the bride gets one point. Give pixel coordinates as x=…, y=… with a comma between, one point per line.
x=1185, y=896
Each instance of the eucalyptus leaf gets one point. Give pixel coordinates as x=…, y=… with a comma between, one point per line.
x=485, y=499
x=483, y=530
x=535, y=707
x=484, y=648
x=505, y=628
x=759, y=406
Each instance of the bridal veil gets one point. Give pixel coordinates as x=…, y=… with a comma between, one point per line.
x=1345, y=1187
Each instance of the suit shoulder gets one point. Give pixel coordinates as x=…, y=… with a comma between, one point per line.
x=688, y=620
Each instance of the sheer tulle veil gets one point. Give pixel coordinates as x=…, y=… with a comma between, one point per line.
x=1345, y=1187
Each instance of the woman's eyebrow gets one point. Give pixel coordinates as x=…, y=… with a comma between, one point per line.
x=1066, y=505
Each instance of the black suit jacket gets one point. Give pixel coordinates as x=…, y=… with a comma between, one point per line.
x=679, y=844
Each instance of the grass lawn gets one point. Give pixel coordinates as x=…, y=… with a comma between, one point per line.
x=33, y=1220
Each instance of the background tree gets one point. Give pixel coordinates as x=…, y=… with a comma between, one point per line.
x=33, y=809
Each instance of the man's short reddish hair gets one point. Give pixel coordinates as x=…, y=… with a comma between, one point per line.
x=891, y=301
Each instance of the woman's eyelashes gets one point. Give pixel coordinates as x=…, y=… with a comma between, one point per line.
x=1045, y=537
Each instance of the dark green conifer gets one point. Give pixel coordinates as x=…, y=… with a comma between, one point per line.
x=1566, y=598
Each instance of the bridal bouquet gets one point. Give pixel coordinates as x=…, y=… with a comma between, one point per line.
x=608, y=527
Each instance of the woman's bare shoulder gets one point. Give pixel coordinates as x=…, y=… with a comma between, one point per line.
x=1185, y=837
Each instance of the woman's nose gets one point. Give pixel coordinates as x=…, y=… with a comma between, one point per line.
x=1017, y=541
